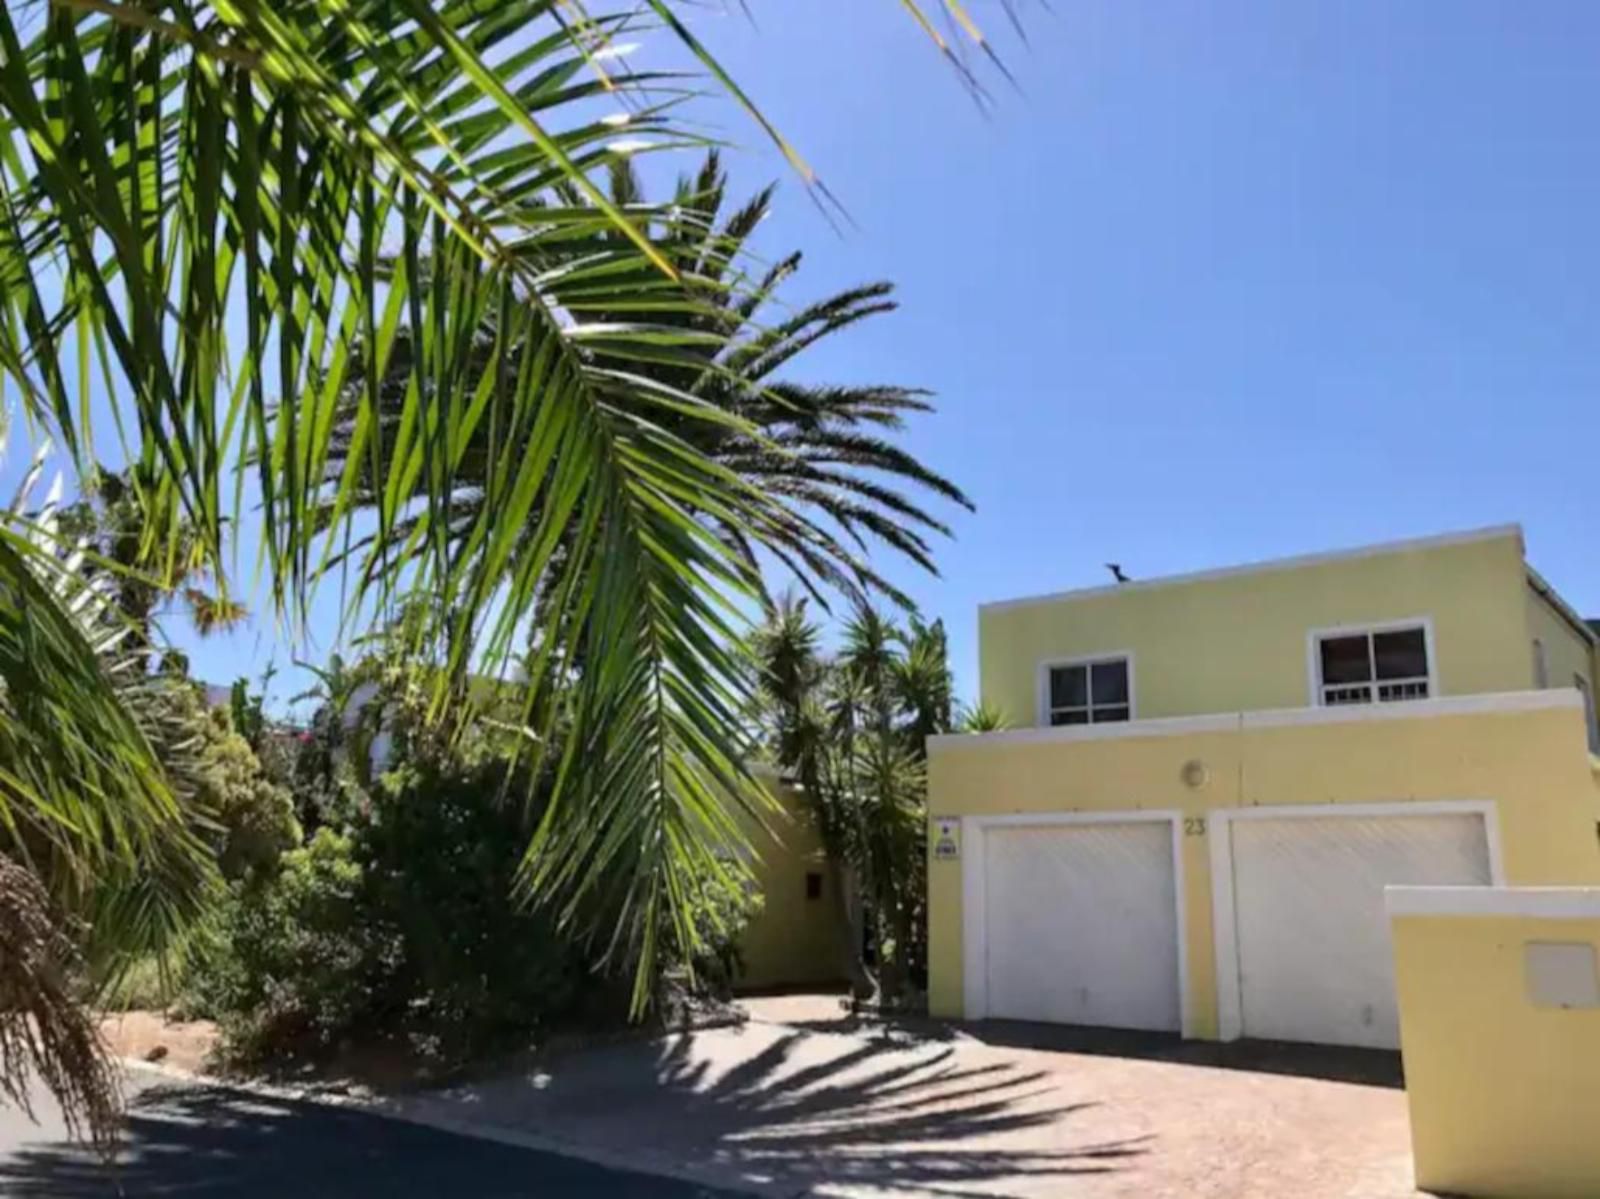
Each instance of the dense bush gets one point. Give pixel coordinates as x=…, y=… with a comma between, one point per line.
x=297, y=955
x=441, y=855
x=400, y=915
x=256, y=814
x=247, y=816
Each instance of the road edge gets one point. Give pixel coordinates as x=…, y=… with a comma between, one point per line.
x=634, y=1161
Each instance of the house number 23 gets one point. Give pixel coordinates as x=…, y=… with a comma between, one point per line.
x=1194, y=826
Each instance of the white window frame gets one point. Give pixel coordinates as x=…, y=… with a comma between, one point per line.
x=1541, y=666
x=1041, y=704
x=1315, y=638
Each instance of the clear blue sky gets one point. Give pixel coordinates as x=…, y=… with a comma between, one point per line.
x=1225, y=281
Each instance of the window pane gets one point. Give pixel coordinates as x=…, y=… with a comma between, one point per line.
x=1411, y=689
x=1070, y=716
x=1357, y=693
x=1344, y=660
x=1110, y=682
x=1401, y=655
x=1069, y=686
x=1110, y=715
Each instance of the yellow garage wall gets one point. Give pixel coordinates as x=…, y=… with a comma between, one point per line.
x=1531, y=762
x=792, y=941
x=1238, y=642
x=1503, y=1095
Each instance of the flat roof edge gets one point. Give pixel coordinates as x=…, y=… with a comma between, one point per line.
x=1543, y=589
x=1377, y=549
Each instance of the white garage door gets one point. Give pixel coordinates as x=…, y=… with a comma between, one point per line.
x=1080, y=924
x=1315, y=962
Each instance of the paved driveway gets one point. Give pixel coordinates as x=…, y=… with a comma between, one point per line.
x=814, y=1106
x=209, y=1142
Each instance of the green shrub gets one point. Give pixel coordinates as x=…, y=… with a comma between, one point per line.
x=143, y=986
x=401, y=916
x=720, y=916
x=442, y=852
x=247, y=817
x=296, y=956
x=257, y=815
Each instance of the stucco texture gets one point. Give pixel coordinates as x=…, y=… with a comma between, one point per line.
x=1240, y=642
x=793, y=940
x=1503, y=1094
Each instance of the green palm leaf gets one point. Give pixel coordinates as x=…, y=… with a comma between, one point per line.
x=347, y=258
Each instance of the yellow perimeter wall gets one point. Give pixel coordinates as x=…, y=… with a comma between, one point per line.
x=1503, y=1094
x=1533, y=763
x=792, y=940
x=1238, y=643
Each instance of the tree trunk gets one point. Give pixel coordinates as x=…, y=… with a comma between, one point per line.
x=894, y=975
x=862, y=983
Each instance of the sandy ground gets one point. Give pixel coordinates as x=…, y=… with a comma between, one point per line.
x=152, y=1037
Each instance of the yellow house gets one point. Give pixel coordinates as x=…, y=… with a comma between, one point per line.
x=794, y=937
x=1214, y=776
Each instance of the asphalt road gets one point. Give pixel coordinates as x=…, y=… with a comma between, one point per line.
x=196, y=1142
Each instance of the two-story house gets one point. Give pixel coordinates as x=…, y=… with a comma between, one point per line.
x=1212, y=777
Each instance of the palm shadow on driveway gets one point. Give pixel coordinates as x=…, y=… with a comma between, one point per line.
x=766, y=1109
x=776, y=1109
x=1330, y=1063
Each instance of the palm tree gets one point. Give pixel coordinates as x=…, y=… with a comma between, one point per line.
x=100, y=861
x=110, y=519
x=825, y=450
x=195, y=199
x=922, y=684
x=850, y=732
x=982, y=717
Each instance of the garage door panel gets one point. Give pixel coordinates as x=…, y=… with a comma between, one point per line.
x=1315, y=961
x=1080, y=924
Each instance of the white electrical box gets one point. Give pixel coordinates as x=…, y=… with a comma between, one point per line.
x=1562, y=974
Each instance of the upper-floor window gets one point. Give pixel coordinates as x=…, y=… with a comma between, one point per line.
x=1091, y=692
x=1373, y=666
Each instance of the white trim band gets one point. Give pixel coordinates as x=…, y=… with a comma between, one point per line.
x=1240, y=722
x=1547, y=903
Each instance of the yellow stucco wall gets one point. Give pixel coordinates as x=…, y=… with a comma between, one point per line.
x=1531, y=763
x=1566, y=653
x=792, y=940
x=1239, y=642
x=1503, y=1094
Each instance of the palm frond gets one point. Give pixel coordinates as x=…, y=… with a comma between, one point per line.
x=357, y=252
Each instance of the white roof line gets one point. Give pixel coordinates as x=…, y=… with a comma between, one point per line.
x=1489, y=703
x=1544, y=903
x=1542, y=588
x=1437, y=541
